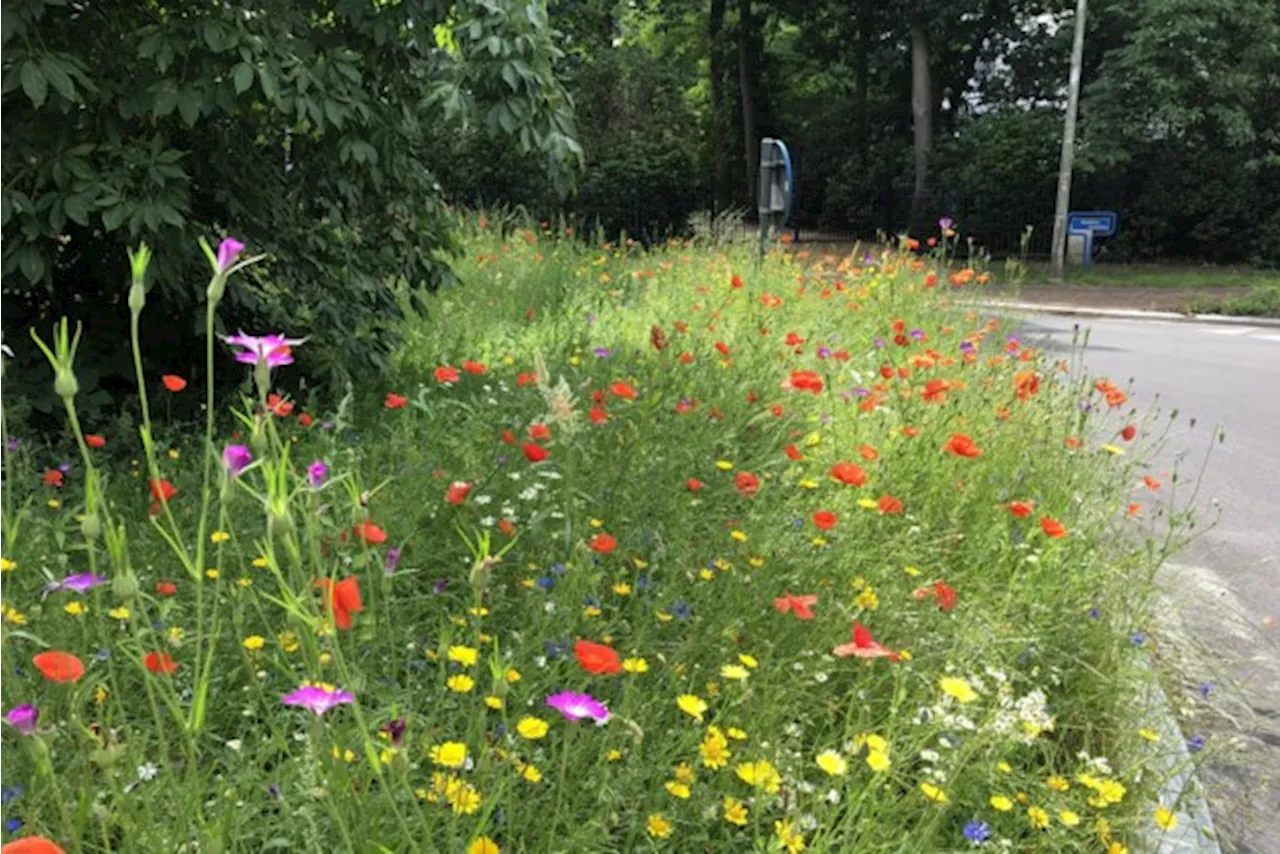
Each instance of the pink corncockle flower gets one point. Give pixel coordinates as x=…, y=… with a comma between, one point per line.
x=274, y=350
x=318, y=698
x=81, y=582
x=575, y=707
x=228, y=250
x=317, y=472
x=23, y=718
x=236, y=458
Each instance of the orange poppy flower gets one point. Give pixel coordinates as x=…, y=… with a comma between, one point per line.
x=825, y=520
x=864, y=646
x=508, y=437
x=722, y=348
x=793, y=453
x=58, y=666
x=868, y=453
x=31, y=845
x=539, y=432
x=1135, y=508
x=457, y=492
x=1026, y=384
x=166, y=588
x=942, y=592
x=1116, y=397
x=686, y=358
x=304, y=419
x=962, y=446
x=935, y=391
x=534, y=453
x=447, y=374
x=1150, y=482
x=279, y=406
x=849, y=474
x=890, y=504
x=800, y=605
x=598, y=415
x=804, y=381
x=693, y=484
x=1053, y=528
x=160, y=662
x=173, y=382
x=506, y=528
x=597, y=659
x=1020, y=509
x=526, y=378
x=52, y=477
x=746, y=483
x=623, y=390
x=163, y=490
x=735, y=282
x=93, y=440
x=369, y=533
x=395, y=401
x=603, y=543
x=476, y=368
x=343, y=599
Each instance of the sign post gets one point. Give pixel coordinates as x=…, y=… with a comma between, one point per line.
x=774, y=189
x=1085, y=226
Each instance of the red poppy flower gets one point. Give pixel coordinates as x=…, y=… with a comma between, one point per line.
x=1134, y=509
x=910, y=432
x=942, y=592
x=447, y=374
x=476, y=368
x=526, y=378
x=166, y=588
x=603, y=543
x=1053, y=528
x=825, y=520
x=277, y=405
x=686, y=358
x=1150, y=482
x=163, y=490
x=597, y=659
x=889, y=504
x=693, y=484
x=849, y=474
x=457, y=492
x=1127, y=433
x=793, y=452
x=31, y=845
x=746, y=483
x=931, y=280
x=173, y=382
x=657, y=338
x=534, y=453
x=52, y=477
x=799, y=605
x=508, y=437
x=304, y=419
x=935, y=391
x=598, y=415
x=804, y=381
x=1021, y=509
x=1071, y=442
x=864, y=646
x=686, y=406
x=93, y=440
x=1025, y=384
x=57, y=666
x=868, y=453
x=507, y=529
x=793, y=340
x=160, y=662
x=369, y=533
x=539, y=432
x=395, y=401
x=722, y=348
x=343, y=599
x=962, y=446
x=623, y=390
x=735, y=282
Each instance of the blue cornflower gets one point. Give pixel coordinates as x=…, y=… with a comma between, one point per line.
x=12, y=825
x=681, y=610
x=546, y=582
x=9, y=794
x=1138, y=638
x=977, y=832
x=1196, y=743
x=1095, y=614
x=558, y=569
x=1205, y=689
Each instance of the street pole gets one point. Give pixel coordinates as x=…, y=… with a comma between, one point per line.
x=1058, y=259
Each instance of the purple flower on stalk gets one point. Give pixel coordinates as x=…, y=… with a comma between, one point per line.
x=317, y=473
x=81, y=582
x=12, y=444
x=317, y=698
x=603, y=352
x=395, y=731
x=575, y=707
x=228, y=250
x=977, y=832
x=880, y=342
x=824, y=352
x=236, y=458
x=275, y=350
x=392, y=560
x=967, y=348
x=23, y=718
x=917, y=334
x=439, y=586
x=945, y=223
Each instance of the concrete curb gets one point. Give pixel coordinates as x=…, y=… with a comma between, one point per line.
x=1126, y=313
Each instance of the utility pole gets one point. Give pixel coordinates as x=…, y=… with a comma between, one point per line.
x=1059, y=251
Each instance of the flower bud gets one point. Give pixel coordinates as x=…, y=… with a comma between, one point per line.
x=279, y=522
x=137, y=298
x=65, y=384
x=217, y=287
x=125, y=585
x=90, y=526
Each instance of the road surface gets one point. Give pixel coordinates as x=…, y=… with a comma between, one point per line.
x=1221, y=599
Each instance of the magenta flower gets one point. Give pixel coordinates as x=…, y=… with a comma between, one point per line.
x=228, y=250
x=317, y=698
x=945, y=223
x=236, y=458
x=81, y=582
x=23, y=718
x=317, y=472
x=575, y=707
x=274, y=350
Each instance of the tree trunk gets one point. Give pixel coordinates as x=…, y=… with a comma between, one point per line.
x=720, y=163
x=921, y=120
x=746, y=83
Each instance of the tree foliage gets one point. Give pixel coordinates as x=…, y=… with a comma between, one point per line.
x=300, y=126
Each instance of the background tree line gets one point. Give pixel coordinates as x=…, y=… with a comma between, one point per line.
x=898, y=111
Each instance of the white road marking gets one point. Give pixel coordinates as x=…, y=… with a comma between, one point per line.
x=1237, y=330
x=1266, y=336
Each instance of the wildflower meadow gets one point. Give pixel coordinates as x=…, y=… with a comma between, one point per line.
x=633, y=549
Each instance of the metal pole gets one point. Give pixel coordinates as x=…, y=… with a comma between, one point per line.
x=1058, y=257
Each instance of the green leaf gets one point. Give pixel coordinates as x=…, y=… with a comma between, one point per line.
x=166, y=100
x=34, y=83
x=57, y=77
x=243, y=77
x=190, y=103
x=31, y=262
x=113, y=217
x=267, y=79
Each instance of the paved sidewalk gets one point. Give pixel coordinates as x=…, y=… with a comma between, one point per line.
x=1107, y=297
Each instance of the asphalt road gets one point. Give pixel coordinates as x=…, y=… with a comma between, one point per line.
x=1221, y=596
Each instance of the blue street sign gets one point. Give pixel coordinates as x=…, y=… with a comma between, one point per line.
x=1096, y=223
x=1090, y=224
x=775, y=188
